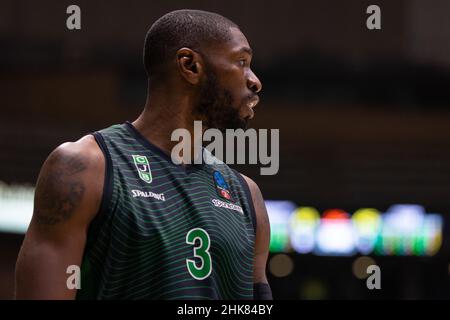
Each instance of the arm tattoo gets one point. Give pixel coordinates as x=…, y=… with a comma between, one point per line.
x=59, y=190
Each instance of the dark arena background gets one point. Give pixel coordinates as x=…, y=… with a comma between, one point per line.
x=364, y=120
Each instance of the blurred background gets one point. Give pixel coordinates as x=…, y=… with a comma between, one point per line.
x=363, y=115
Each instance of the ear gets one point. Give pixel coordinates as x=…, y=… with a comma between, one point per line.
x=190, y=65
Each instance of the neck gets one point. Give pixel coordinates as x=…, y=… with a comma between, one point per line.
x=163, y=113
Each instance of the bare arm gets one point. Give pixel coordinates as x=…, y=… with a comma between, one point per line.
x=67, y=197
x=262, y=233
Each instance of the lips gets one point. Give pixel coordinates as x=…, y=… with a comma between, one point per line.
x=252, y=114
x=251, y=104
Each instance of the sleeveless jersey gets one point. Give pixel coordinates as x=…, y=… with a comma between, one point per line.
x=167, y=231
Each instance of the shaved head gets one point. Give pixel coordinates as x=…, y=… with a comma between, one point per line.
x=194, y=29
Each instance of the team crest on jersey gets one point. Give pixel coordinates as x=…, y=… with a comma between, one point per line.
x=221, y=186
x=143, y=168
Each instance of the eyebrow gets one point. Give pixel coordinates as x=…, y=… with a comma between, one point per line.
x=246, y=50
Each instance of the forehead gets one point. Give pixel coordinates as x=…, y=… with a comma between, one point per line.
x=237, y=43
x=238, y=39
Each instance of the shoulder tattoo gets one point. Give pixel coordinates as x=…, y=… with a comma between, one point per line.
x=59, y=189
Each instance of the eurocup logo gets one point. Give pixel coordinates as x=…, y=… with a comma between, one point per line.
x=220, y=180
x=143, y=168
x=222, y=186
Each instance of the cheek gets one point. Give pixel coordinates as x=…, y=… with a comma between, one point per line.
x=239, y=101
x=233, y=81
x=238, y=86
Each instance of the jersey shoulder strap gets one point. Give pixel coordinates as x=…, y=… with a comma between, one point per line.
x=249, y=197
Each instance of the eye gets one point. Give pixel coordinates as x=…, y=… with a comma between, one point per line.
x=242, y=62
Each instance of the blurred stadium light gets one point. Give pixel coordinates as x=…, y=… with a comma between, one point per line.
x=403, y=230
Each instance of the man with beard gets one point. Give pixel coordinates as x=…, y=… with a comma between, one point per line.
x=138, y=225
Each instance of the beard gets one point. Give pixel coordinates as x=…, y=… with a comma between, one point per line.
x=216, y=107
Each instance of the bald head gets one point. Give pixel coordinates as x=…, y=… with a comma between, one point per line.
x=194, y=29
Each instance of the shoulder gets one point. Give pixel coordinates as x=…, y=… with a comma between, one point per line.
x=258, y=202
x=254, y=189
x=71, y=179
x=80, y=160
x=83, y=152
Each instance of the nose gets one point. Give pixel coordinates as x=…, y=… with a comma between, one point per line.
x=253, y=83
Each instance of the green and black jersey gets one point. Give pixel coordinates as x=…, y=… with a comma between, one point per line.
x=167, y=231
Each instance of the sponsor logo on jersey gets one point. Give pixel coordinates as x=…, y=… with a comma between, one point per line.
x=143, y=168
x=148, y=194
x=221, y=186
x=222, y=204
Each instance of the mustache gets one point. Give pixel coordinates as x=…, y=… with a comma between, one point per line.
x=251, y=96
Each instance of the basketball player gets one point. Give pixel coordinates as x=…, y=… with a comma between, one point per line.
x=138, y=225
